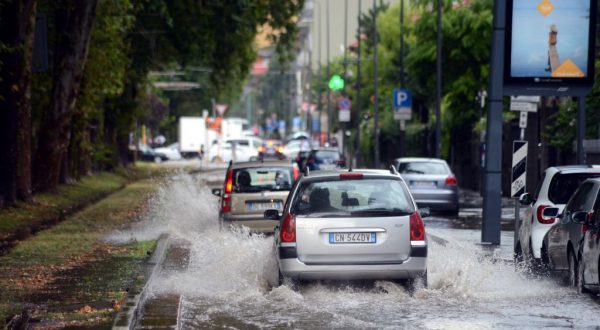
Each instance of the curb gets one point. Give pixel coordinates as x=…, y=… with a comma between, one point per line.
x=129, y=314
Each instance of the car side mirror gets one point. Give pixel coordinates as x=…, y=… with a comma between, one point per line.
x=580, y=217
x=272, y=214
x=550, y=212
x=525, y=199
x=217, y=191
x=425, y=212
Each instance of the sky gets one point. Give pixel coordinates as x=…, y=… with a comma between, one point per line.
x=530, y=35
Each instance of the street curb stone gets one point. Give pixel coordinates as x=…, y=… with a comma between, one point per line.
x=130, y=312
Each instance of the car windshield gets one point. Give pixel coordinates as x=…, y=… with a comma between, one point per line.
x=356, y=198
x=422, y=168
x=563, y=186
x=259, y=179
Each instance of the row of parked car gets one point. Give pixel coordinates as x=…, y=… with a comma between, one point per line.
x=336, y=223
x=560, y=230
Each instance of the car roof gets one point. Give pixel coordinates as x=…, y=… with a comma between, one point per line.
x=419, y=159
x=569, y=169
x=336, y=172
x=265, y=163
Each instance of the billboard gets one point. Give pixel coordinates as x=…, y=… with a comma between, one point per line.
x=549, y=45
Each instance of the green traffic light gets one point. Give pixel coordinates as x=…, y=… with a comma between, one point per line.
x=336, y=83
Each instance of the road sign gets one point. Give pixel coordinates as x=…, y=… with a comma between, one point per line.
x=519, y=169
x=344, y=103
x=402, y=98
x=531, y=99
x=344, y=115
x=523, y=106
x=523, y=119
x=399, y=115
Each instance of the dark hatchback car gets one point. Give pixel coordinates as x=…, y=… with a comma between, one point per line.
x=271, y=149
x=324, y=159
x=563, y=240
x=145, y=153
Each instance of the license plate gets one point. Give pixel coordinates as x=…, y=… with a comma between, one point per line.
x=340, y=238
x=428, y=184
x=263, y=206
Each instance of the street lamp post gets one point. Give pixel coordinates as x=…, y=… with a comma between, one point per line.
x=438, y=85
x=375, y=78
x=327, y=75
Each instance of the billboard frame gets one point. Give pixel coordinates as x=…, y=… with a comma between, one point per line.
x=549, y=86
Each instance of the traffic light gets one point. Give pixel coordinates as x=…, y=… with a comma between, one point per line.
x=336, y=83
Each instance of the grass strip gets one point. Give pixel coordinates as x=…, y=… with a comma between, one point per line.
x=67, y=275
x=20, y=221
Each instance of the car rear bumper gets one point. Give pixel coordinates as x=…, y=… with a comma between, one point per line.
x=410, y=268
x=255, y=226
x=436, y=199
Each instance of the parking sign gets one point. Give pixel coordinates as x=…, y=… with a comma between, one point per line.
x=402, y=98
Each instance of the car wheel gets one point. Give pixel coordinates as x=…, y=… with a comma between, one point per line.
x=419, y=282
x=580, y=280
x=573, y=271
x=157, y=159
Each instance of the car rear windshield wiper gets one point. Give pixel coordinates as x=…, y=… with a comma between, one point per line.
x=382, y=211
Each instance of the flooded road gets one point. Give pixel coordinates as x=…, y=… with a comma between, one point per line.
x=226, y=281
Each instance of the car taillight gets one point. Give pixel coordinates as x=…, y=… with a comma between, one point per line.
x=288, y=229
x=280, y=150
x=451, y=181
x=261, y=149
x=295, y=172
x=226, y=200
x=351, y=176
x=417, y=228
x=586, y=225
x=540, y=215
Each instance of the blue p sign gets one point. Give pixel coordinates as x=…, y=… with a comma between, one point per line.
x=402, y=98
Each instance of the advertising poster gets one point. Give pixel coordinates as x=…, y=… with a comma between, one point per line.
x=550, y=39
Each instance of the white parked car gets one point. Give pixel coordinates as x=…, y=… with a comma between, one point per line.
x=171, y=151
x=245, y=149
x=554, y=189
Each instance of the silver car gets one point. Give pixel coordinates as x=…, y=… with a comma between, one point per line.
x=431, y=183
x=346, y=225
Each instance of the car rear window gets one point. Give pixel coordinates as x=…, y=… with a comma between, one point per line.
x=355, y=198
x=258, y=179
x=326, y=154
x=563, y=186
x=422, y=168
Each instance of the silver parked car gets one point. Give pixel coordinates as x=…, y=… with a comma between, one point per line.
x=346, y=225
x=431, y=183
x=563, y=240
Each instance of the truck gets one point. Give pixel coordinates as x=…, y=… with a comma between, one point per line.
x=193, y=136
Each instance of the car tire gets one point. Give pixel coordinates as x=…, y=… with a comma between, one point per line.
x=419, y=282
x=581, y=281
x=573, y=272
x=157, y=159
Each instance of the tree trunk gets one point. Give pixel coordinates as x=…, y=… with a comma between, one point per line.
x=17, y=26
x=74, y=22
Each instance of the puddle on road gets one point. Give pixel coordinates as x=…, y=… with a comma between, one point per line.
x=227, y=283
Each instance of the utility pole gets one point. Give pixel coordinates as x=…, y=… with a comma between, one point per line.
x=345, y=125
x=375, y=78
x=357, y=102
x=328, y=74
x=492, y=183
x=402, y=82
x=438, y=84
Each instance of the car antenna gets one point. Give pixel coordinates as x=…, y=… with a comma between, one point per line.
x=393, y=170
